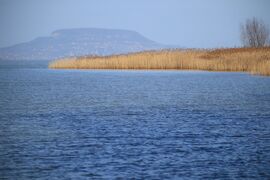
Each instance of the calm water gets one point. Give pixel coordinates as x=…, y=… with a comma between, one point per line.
x=133, y=124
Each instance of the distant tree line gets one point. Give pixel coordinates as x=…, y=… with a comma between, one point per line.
x=254, y=33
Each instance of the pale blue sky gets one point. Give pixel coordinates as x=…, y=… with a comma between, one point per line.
x=188, y=23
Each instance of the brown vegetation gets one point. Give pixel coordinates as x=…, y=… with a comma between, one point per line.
x=253, y=60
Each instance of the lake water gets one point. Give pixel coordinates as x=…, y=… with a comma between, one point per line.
x=81, y=124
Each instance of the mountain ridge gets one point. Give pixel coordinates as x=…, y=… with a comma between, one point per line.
x=80, y=42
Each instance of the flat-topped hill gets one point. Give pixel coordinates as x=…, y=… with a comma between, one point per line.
x=80, y=42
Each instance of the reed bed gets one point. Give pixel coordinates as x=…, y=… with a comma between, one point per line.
x=253, y=60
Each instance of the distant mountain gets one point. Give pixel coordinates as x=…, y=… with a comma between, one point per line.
x=79, y=42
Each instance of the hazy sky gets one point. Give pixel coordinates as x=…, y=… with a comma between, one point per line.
x=188, y=23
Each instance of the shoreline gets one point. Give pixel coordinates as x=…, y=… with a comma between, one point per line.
x=249, y=60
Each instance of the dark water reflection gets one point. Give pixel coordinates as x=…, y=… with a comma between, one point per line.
x=133, y=124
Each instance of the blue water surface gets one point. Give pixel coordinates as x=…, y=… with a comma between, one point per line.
x=101, y=124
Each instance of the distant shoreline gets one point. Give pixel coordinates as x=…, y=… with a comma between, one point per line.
x=252, y=60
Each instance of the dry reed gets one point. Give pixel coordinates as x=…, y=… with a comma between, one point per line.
x=253, y=60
